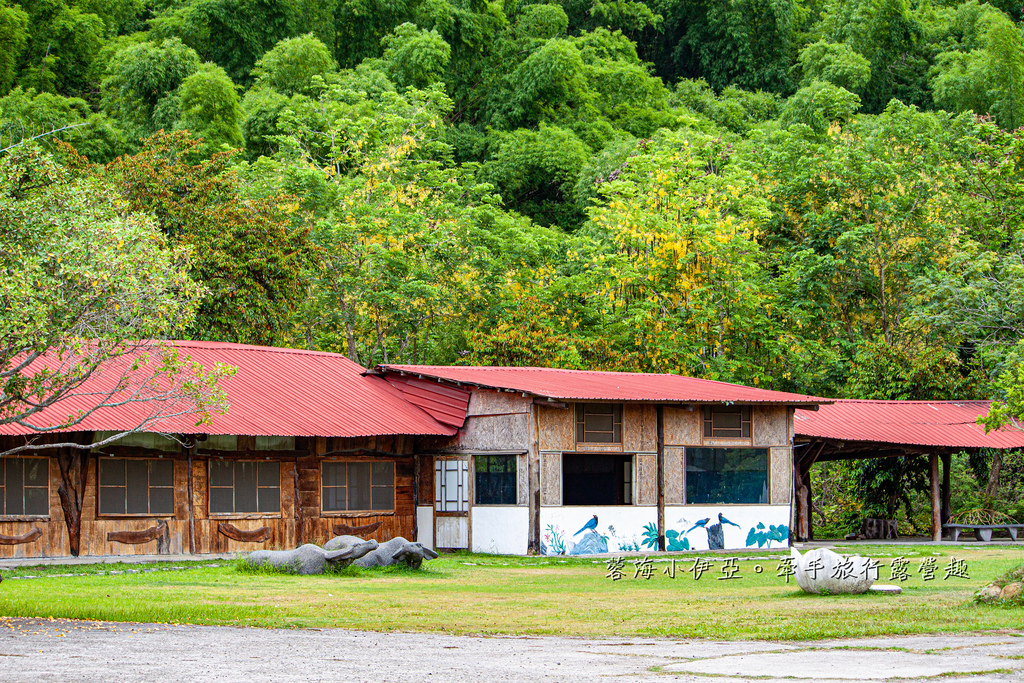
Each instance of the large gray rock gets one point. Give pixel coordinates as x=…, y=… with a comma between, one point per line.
x=396, y=551
x=822, y=571
x=309, y=558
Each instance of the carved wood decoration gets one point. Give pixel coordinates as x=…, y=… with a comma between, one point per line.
x=158, y=533
x=236, y=534
x=346, y=530
x=26, y=537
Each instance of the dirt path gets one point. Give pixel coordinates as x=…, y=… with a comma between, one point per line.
x=36, y=650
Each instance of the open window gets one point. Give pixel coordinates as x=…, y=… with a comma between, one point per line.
x=727, y=422
x=24, y=486
x=245, y=486
x=136, y=487
x=726, y=476
x=597, y=479
x=495, y=479
x=358, y=486
x=599, y=423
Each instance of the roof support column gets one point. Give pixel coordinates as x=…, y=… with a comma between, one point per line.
x=533, y=547
x=936, y=498
x=661, y=476
x=947, y=462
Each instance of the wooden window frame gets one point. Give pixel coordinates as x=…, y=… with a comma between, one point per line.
x=746, y=429
x=22, y=516
x=118, y=515
x=515, y=480
x=768, y=473
x=324, y=512
x=580, y=429
x=235, y=513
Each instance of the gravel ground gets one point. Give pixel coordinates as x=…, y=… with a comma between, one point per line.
x=37, y=650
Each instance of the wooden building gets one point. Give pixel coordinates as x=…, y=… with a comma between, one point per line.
x=503, y=460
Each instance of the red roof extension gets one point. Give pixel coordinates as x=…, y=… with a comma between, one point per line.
x=276, y=392
x=921, y=423
x=582, y=385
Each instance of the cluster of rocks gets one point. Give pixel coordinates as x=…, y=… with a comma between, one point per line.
x=1008, y=589
x=340, y=552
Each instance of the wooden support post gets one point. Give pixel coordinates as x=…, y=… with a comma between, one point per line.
x=191, y=501
x=533, y=546
x=936, y=498
x=947, y=462
x=661, y=477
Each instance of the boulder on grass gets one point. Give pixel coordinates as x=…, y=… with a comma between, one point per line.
x=823, y=572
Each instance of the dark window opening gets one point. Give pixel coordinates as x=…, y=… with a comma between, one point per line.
x=136, y=487
x=245, y=486
x=727, y=422
x=598, y=423
x=24, y=486
x=597, y=479
x=727, y=475
x=495, y=479
x=358, y=486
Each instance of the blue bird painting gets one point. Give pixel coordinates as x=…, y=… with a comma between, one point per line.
x=589, y=526
x=716, y=537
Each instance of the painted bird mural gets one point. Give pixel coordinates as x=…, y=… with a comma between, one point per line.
x=716, y=537
x=589, y=526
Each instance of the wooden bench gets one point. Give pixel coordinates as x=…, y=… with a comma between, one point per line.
x=983, y=532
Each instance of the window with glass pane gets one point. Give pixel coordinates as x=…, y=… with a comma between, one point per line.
x=726, y=475
x=24, y=486
x=727, y=422
x=136, y=487
x=495, y=479
x=597, y=479
x=245, y=486
x=598, y=423
x=358, y=486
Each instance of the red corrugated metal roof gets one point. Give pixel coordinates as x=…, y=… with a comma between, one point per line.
x=582, y=385
x=276, y=392
x=446, y=404
x=919, y=423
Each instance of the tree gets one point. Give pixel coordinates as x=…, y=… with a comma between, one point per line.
x=140, y=83
x=988, y=78
x=210, y=110
x=836, y=63
x=250, y=253
x=13, y=38
x=289, y=66
x=86, y=285
x=415, y=58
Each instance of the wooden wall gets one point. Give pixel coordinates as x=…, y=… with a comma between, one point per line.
x=191, y=527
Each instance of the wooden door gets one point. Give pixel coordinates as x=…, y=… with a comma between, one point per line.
x=451, y=501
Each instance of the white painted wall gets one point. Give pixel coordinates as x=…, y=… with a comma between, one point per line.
x=500, y=530
x=621, y=527
x=451, y=532
x=425, y=525
x=683, y=518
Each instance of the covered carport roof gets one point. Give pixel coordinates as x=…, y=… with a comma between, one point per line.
x=929, y=425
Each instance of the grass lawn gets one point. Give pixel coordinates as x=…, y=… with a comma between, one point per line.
x=485, y=594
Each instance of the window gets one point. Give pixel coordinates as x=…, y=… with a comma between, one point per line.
x=598, y=423
x=275, y=443
x=245, y=486
x=350, y=486
x=136, y=487
x=495, y=479
x=726, y=475
x=451, y=485
x=728, y=422
x=24, y=486
x=597, y=479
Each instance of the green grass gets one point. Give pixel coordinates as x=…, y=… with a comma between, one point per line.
x=483, y=594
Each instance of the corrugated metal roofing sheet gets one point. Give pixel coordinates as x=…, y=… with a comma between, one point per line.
x=582, y=385
x=920, y=423
x=446, y=404
x=276, y=392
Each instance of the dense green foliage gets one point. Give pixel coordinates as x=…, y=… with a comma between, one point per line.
x=810, y=195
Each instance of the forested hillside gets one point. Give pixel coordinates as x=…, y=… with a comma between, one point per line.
x=809, y=195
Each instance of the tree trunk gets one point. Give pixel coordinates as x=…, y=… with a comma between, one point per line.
x=992, y=490
x=74, y=472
